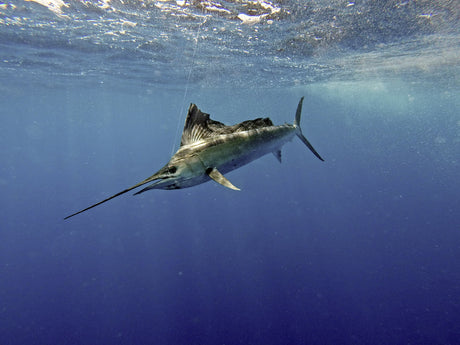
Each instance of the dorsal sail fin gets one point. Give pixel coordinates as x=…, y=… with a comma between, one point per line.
x=197, y=126
x=252, y=124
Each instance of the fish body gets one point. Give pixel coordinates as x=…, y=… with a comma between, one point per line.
x=209, y=149
x=225, y=153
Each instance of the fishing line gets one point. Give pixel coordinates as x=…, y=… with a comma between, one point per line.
x=182, y=110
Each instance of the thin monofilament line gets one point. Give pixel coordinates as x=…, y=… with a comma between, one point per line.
x=181, y=112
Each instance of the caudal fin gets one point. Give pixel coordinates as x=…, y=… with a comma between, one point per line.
x=299, y=130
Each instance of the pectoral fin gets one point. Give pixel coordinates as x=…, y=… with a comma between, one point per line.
x=219, y=178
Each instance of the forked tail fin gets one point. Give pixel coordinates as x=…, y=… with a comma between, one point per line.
x=299, y=130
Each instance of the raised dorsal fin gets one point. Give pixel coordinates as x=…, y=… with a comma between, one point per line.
x=199, y=125
x=252, y=124
x=196, y=126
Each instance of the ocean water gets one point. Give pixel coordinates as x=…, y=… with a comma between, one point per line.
x=363, y=248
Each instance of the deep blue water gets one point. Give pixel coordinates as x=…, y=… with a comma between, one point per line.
x=363, y=248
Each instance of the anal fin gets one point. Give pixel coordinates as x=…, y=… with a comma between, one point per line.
x=277, y=155
x=219, y=178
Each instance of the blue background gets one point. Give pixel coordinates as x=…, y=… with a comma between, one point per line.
x=363, y=248
x=360, y=249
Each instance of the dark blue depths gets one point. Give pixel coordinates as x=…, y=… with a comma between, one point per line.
x=360, y=249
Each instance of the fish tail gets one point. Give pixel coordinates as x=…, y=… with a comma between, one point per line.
x=299, y=133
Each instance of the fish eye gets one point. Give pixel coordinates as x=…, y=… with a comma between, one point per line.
x=172, y=170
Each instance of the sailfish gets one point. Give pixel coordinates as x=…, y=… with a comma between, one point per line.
x=209, y=149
